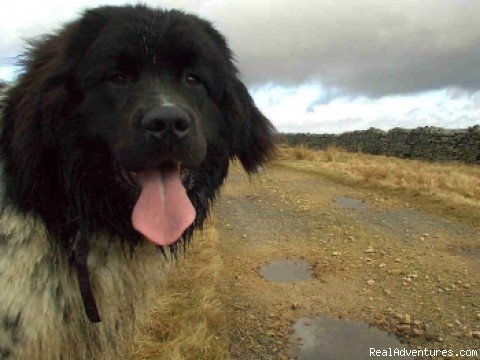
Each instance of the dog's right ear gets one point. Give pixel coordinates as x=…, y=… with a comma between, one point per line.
x=254, y=141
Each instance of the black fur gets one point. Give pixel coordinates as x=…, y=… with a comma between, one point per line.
x=59, y=134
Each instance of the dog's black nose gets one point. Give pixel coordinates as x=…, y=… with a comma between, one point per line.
x=167, y=120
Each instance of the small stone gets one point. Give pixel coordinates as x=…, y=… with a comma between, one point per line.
x=418, y=332
x=403, y=328
x=380, y=322
x=418, y=324
x=336, y=253
x=407, y=319
x=369, y=250
x=294, y=306
x=382, y=265
x=475, y=334
x=244, y=236
x=370, y=282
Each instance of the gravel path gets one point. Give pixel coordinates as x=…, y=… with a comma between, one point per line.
x=404, y=271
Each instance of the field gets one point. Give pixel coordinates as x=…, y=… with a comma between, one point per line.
x=406, y=261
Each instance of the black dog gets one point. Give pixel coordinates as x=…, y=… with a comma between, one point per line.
x=119, y=130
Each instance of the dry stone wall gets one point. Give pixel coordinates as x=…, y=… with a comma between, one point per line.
x=428, y=143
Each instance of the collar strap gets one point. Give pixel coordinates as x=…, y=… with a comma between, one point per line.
x=88, y=299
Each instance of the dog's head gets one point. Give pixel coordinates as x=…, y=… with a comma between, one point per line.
x=119, y=104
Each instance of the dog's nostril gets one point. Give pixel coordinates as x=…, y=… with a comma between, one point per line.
x=182, y=125
x=163, y=120
x=157, y=125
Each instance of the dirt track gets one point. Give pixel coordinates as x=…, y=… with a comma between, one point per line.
x=403, y=270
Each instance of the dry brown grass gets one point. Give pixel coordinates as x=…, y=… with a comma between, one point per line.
x=454, y=182
x=188, y=321
x=300, y=152
x=332, y=153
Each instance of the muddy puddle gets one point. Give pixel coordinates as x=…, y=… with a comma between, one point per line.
x=329, y=338
x=351, y=203
x=285, y=270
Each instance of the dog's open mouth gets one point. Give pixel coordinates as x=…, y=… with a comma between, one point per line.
x=163, y=210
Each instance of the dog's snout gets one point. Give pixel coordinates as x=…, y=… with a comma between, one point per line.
x=171, y=120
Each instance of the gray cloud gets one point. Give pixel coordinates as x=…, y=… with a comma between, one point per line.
x=326, y=98
x=370, y=47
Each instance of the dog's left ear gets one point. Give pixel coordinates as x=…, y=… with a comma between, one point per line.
x=253, y=144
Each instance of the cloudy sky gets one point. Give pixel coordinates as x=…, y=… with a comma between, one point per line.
x=320, y=65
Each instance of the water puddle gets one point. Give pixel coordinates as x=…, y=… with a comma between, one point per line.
x=329, y=338
x=350, y=203
x=285, y=270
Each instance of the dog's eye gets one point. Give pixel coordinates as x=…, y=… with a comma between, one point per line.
x=117, y=79
x=193, y=80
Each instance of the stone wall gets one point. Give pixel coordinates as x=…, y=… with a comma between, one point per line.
x=428, y=143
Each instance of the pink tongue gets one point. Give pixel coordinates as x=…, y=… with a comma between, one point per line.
x=163, y=211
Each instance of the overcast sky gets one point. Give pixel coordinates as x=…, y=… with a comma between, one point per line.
x=323, y=66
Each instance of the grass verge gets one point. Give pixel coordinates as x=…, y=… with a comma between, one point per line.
x=188, y=321
x=455, y=187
